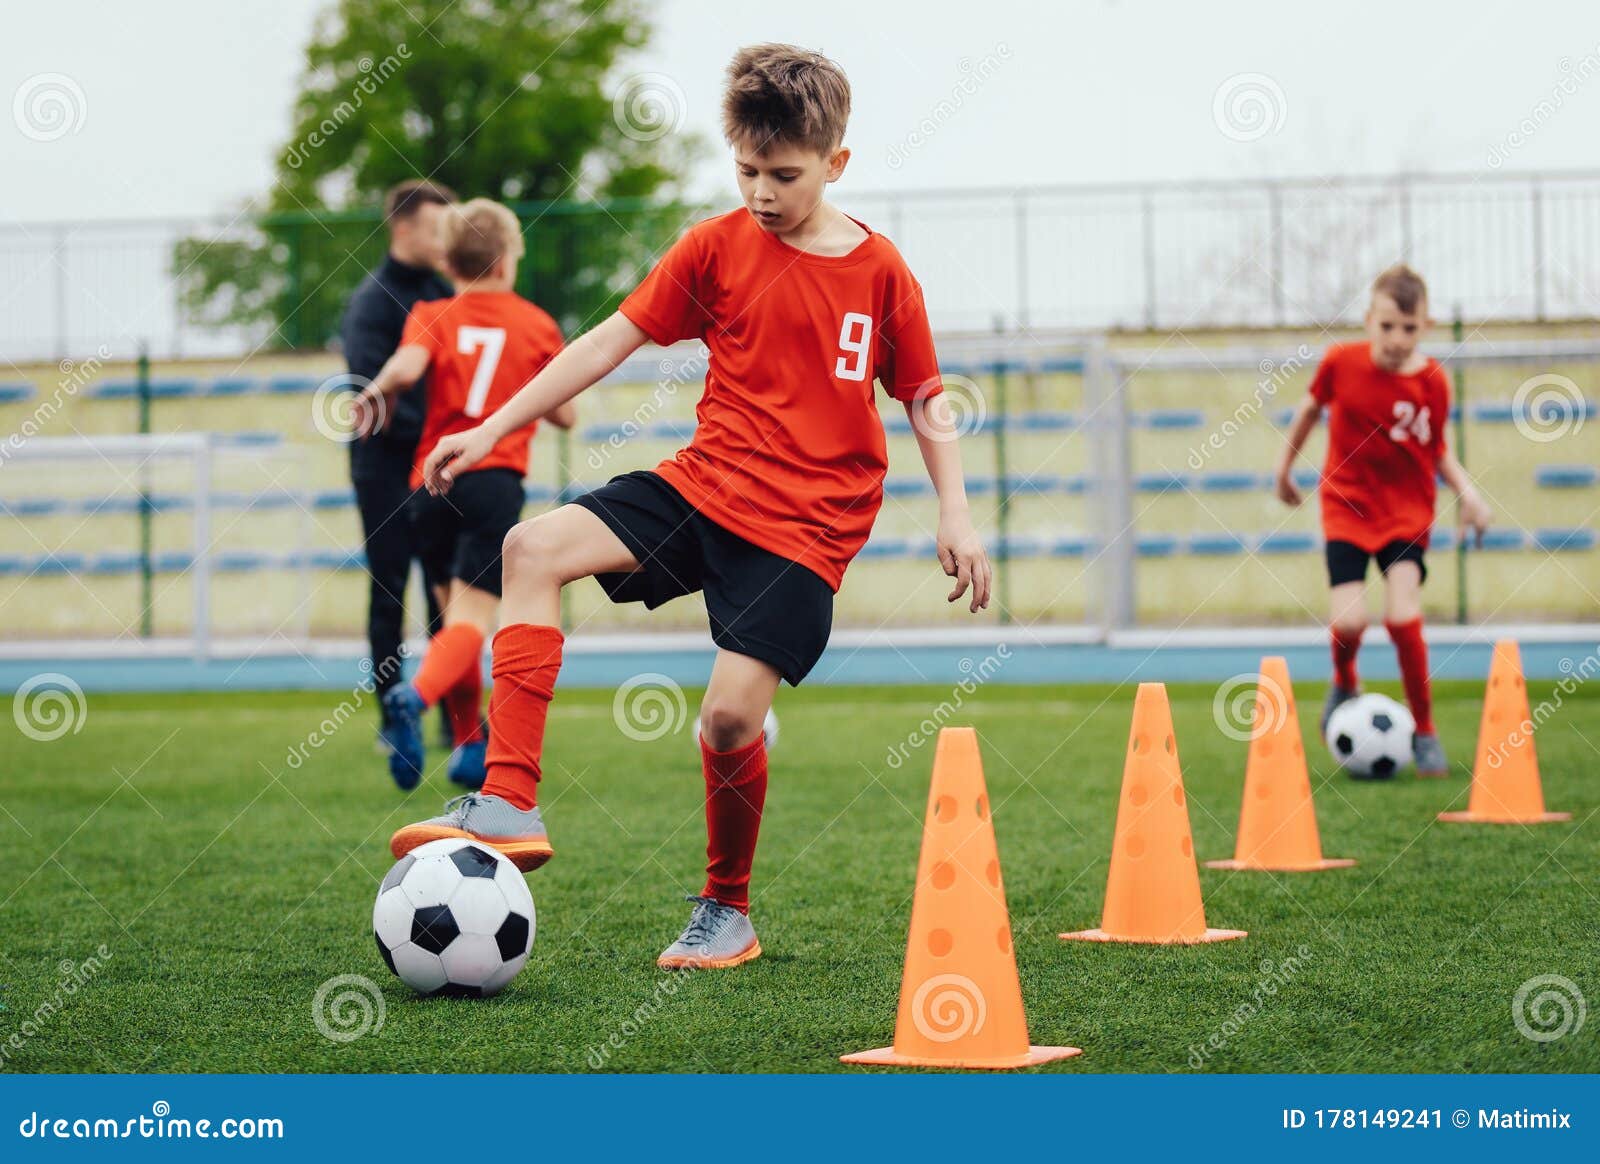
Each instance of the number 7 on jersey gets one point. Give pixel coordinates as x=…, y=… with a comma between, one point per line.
x=491, y=341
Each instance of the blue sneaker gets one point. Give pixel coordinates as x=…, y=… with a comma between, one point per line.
x=402, y=709
x=467, y=763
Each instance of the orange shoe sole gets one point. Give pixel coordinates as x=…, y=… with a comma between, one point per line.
x=526, y=853
x=690, y=962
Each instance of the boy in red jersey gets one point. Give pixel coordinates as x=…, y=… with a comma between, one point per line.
x=1388, y=407
x=802, y=308
x=477, y=349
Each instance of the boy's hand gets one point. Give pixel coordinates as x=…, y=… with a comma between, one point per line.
x=1473, y=513
x=1288, y=492
x=452, y=456
x=369, y=413
x=962, y=555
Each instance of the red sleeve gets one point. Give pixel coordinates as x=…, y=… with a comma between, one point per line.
x=1322, y=382
x=907, y=364
x=673, y=302
x=420, y=330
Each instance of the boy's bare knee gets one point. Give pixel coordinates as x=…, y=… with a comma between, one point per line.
x=529, y=551
x=725, y=726
x=1350, y=625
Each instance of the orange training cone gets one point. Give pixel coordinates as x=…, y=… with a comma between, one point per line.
x=1153, y=891
x=960, y=1001
x=1505, y=776
x=1277, y=824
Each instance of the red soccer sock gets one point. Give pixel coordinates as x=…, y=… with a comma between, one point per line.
x=463, y=703
x=454, y=651
x=736, y=789
x=1413, y=652
x=527, y=659
x=1345, y=646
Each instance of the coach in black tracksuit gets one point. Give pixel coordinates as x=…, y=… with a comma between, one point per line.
x=380, y=466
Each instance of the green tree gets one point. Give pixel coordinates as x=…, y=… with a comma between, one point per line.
x=526, y=101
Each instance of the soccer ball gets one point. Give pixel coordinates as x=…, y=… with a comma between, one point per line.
x=769, y=729
x=1370, y=736
x=454, y=917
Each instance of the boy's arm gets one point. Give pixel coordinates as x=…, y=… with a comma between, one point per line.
x=961, y=552
x=401, y=371
x=1305, y=419
x=1471, y=509
x=576, y=367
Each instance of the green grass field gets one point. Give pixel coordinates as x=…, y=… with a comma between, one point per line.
x=226, y=886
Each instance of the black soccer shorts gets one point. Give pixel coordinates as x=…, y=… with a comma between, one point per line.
x=760, y=604
x=459, y=535
x=1347, y=562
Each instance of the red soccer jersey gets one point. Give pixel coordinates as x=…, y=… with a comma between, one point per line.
x=482, y=347
x=1386, y=435
x=789, y=452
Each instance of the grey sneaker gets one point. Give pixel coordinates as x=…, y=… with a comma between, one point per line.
x=1429, y=753
x=717, y=936
x=1336, y=696
x=497, y=823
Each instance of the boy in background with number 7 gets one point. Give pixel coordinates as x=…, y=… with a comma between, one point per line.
x=478, y=348
x=1388, y=407
x=802, y=308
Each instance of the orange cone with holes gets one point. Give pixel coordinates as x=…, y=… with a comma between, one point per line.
x=960, y=1000
x=1277, y=823
x=1153, y=890
x=1505, y=776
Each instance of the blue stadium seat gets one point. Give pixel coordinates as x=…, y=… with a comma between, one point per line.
x=1565, y=476
x=1564, y=539
x=1287, y=543
x=1216, y=545
x=11, y=393
x=1156, y=545
x=1165, y=418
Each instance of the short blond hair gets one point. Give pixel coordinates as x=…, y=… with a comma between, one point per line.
x=478, y=234
x=778, y=93
x=1404, y=286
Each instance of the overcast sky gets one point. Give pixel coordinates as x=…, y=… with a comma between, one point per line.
x=177, y=107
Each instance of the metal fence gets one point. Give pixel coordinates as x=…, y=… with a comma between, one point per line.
x=1169, y=255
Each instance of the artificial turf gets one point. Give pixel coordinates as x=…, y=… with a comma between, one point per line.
x=228, y=883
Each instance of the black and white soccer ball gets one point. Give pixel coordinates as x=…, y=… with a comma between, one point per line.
x=454, y=917
x=1370, y=736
